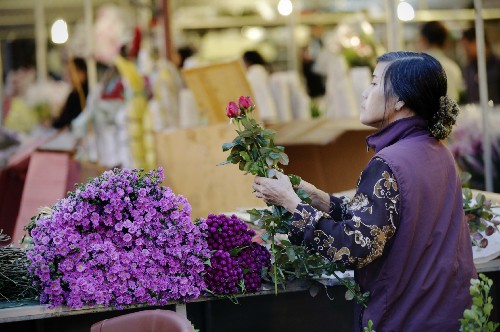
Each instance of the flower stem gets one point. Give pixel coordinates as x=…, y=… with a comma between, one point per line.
x=275, y=263
x=351, y=289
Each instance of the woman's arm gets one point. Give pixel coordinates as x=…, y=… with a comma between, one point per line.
x=371, y=219
x=319, y=199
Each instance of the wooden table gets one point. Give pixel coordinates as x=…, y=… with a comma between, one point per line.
x=293, y=309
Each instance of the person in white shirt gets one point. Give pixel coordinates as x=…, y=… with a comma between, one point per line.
x=433, y=37
x=258, y=78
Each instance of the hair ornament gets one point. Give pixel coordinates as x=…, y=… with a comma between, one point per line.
x=441, y=123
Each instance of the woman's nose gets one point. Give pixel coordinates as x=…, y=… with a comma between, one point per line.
x=364, y=94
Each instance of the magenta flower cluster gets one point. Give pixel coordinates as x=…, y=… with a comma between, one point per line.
x=245, y=104
x=120, y=239
x=236, y=263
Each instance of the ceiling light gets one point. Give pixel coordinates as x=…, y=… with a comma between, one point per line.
x=285, y=7
x=405, y=11
x=253, y=33
x=59, y=32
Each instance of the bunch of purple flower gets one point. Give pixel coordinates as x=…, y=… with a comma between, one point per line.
x=237, y=263
x=120, y=239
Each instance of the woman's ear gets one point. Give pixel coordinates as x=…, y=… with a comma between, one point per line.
x=399, y=105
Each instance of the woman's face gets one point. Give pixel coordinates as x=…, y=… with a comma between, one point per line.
x=373, y=111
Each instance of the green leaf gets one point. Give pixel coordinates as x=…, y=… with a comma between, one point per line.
x=467, y=193
x=488, y=307
x=234, y=158
x=313, y=290
x=262, y=141
x=268, y=133
x=283, y=158
x=265, y=237
x=465, y=177
x=247, y=124
x=236, y=251
x=290, y=253
x=254, y=212
x=254, y=169
x=270, y=173
x=237, y=148
x=468, y=314
x=245, y=155
x=294, y=179
x=247, y=166
x=275, y=155
x=349, y=295
x=246, y=133
x=480, y=199
x=227, y=146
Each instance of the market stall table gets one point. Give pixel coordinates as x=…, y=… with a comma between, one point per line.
x=293, y=309
x=262, y=311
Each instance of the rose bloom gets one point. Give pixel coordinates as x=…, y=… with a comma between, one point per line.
x=245, y=102
x=232, y=110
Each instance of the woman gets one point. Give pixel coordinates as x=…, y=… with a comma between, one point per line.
x=258, y=78
x=404, y=232
x=75, y=101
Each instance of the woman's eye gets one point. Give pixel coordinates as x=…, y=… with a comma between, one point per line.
x=373, y=83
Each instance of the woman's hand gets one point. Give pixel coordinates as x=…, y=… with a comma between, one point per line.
x=277, y=191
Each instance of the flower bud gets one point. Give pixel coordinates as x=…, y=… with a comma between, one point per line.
x=245, y=102
x=489, y=230
x=232, y=110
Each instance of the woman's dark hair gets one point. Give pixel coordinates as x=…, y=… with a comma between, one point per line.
x=419, y=81
x=80, y=64
x=253, y=58
x=184, y=53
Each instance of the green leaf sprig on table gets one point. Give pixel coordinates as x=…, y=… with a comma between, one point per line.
x=255, y=152
x=476, y=319
x=479, y=216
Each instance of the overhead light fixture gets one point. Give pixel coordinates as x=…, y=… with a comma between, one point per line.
x=405, y=11
x=59, y=32
x=253, y=33
x=285, y=7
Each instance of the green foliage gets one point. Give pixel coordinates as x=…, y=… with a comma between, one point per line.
x=369, y=327
x=479, y=216
x=477, y=210
x=315, y=110
x=254, y=151
x=476, y=319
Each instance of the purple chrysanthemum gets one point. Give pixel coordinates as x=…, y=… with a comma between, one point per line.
x=120, y=239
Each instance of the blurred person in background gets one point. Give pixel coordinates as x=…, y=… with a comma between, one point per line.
x=471, y=70
x=315, y=82
x=433, y=38
x=75, y=103
x=258, y=71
